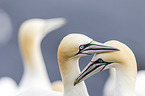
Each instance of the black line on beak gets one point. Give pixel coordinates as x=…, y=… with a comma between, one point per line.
x=82, y=47
x=97, y=66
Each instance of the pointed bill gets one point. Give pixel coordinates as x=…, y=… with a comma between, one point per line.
x=92, y=68
x=53, y=24
x=95, y=47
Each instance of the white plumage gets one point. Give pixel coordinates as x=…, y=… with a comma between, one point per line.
x=31, y=34
x=124, y=63
x=71, y=48
x=110, y=83
x=8, y=87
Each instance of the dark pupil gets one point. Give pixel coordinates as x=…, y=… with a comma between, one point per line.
x=100, y=61
x=82, y=47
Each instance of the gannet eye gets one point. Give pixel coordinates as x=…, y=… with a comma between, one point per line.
x=81, y=47
x=100, y=60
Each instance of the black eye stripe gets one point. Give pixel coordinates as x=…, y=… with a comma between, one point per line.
x=94, y=62
x=89, y=44
x=84, y=46
x=90, y=71
x=100, y=61
x=81, y=47
x=91, y=47
x=99, y=49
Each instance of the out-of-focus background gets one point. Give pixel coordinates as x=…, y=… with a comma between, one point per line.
x=102, y=20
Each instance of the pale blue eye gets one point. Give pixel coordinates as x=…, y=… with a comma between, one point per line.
x=81, y=47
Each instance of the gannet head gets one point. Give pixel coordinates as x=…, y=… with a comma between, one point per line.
x=78, y=45
x=38, y=28
x=100, y=62
x=32, y=32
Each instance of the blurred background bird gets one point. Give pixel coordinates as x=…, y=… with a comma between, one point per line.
x=31, y=33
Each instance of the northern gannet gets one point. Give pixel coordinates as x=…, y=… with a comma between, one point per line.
x=31, y=33
x=124, y=63
x=71, y=48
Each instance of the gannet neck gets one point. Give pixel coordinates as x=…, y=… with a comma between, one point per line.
x=110, y=83
x=31, y=34
x=35, y=63
x=34, y=66
x=125, y=82
x=31, y=51
x=69, y=71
